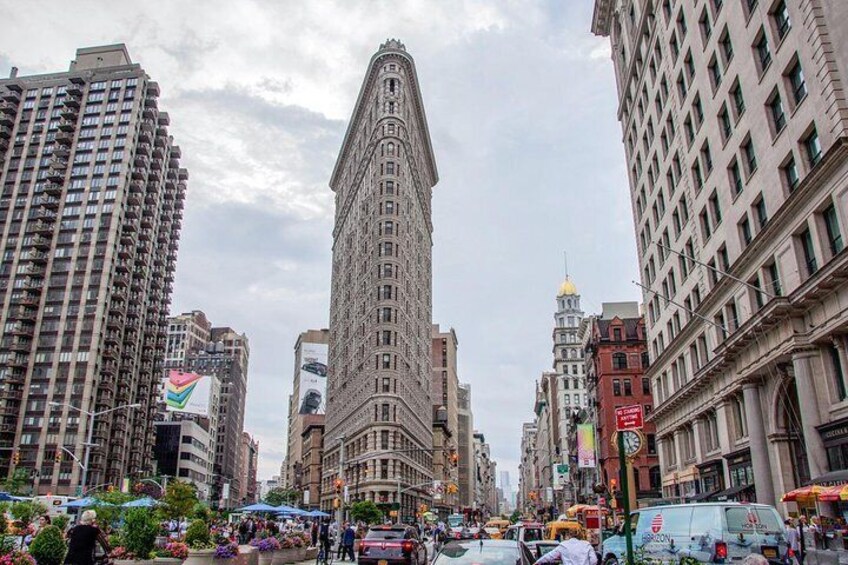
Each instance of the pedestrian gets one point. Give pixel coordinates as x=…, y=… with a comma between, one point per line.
x=348, y=539
x=82, y=540
x=340, y=549
x=571, y=551
x=242, y=531
x=792, y=541
x=314, y=533
x=803, y=535
x=325, y=538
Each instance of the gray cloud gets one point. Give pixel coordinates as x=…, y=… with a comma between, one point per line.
x=521, y=103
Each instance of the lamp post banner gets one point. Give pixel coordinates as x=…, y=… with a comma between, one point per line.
x=586, y=446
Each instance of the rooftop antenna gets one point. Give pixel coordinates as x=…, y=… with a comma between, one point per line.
x=565, y=260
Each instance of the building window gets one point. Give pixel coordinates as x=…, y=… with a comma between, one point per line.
x=726, y=47
x=616, y=334
x=780, y=13
x=799, y=85
x=646, y=386
x=750, y=156
x=778, y=116
x=774, y=279
x=838, y=374
x=735, y=174
x=738, y=99
x=806, y=238
x=724, y=121
x=619, y=361
x=616, y=387
x=763, y=52
x=790, y=173
x=760, y=212
x=384, y=413
x=628, y=388
x=745, y=231
x=812, y=146
x=831, y=224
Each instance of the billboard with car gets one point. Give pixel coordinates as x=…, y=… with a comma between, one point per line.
x=313, y=378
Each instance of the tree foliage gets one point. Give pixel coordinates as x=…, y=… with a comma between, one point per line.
x=516, y=516
x=366, y=511
x=109, y=514
x=180, y=500
x=19, y=483
x=27, y=511
x=278, y=496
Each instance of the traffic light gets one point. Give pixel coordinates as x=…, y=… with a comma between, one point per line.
x=454, y=457
x=613, y=485
x=337, y=503
x=338, y=483
x=58, y=456
x=16, y=457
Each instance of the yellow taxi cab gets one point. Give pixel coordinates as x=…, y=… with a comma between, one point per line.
x=553, y=530
x=496, y=528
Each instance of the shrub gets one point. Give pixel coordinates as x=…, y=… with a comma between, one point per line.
x=26, y=512
x=49, y=547
x=61, y=521
x=17, y=557
x=139, y=532
x=197, y=535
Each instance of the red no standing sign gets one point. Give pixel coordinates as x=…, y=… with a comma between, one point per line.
x=629, y=418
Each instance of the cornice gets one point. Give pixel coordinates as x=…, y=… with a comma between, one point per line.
x=602, y=17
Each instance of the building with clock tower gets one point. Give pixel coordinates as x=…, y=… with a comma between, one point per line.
x=616, y=358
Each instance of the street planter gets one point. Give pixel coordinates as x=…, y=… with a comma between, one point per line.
x=301, y=554
x=266, y=557
x=312, y=553
x=167, y=561
x=284, y=556
x=200, y=557
x=248, y=555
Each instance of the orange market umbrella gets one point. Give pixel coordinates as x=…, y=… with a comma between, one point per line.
x=803, y=494
x=834, y=494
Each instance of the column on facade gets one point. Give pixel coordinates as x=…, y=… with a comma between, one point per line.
x=802, y=364
x=697, y=427
x=723, y=435
x=760, y=461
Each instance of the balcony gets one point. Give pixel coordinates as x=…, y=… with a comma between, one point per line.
x=53, y=189
x=10, y=108
x=46, y=201
x=182, y=175
x=143, y=149
x=5, y=132
x=139, y=173
x=128, y=238
x=72, y=101
x=22, y=330
x=12, y=97
x=74, y=89
x=20, y=344
x=65, y=137
x=38, y=257
x=56, y=174
x=40, y=227
x=67, y=123
x=132, y=212
x=142, y=161
x=153, y=186
x=7, y=120
x=43, y=213
x=120, y=280
x=151, y=103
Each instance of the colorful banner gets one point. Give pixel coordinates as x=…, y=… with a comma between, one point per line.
x=586, y=446
x=313, y=378
x=187, y=392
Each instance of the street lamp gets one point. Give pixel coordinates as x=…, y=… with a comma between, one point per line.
x=90, y=434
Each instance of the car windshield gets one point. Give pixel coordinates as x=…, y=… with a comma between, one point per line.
x=532, y=534
x=478, y=553
x=384, y=534
x=750, y=520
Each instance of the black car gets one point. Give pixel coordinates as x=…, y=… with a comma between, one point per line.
x=316, y=368
x=311, y=402
x=392, y=545
x=483, y=552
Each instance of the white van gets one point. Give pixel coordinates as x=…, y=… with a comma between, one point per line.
x=711, y=532
x=54, y=504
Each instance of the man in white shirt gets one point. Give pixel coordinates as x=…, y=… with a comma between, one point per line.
x=571, y=551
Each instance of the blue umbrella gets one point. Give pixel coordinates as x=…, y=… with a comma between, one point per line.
x=85, y=503
x=319, y=514
x=6, y=497
x=283, y=509
x=259, y=507
x=144, y=502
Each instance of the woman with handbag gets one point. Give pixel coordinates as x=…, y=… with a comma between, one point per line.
x=83, y=539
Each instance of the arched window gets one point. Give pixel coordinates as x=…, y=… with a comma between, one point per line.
x=619, y=361
x=390, y=149
x=569, y=303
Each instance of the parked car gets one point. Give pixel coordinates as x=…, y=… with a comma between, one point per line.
x=392, y=545
x=711, y=532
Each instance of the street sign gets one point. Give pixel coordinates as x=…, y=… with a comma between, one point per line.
x=629, y=418
x=346, y=495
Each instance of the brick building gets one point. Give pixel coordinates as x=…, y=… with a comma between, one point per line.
x=616, y=358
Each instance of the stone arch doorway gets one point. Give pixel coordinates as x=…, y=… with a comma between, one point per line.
x=789, y=419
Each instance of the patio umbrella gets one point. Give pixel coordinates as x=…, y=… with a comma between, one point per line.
x=259, y=507
x=85, y=503
x=144, y=502
x=283, y=509
x=808, y=493
x=319, y=514
x=6, y=497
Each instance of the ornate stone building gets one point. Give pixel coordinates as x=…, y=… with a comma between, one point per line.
x=379, y=408
x=735, y=127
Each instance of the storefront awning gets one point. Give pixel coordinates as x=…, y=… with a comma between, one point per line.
x=702, y=496
x=831, y=479
x=732, y=491
x=834, y=494
x=804, y=493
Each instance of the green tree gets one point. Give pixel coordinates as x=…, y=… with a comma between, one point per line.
x=49, y=547
x=179, y=500
x=19, y=483
x=366, y=511
x=278, y=496
x=139, y=532
x=109, y=513
x=27, y=511
x=516, y=516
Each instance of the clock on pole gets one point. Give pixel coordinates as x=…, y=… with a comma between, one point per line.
x=634, y=442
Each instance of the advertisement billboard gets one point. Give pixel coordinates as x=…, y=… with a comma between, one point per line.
x=313, y=378
x=187, y=392
x=586, y=446
x=561, y=475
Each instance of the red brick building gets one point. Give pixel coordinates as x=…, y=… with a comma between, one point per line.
x=616, y=359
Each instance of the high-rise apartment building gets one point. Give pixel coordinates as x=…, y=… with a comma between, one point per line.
x=379, y=403
x=187, y=333
x=91, y=210
x=527, y=473
x=307, y=403
x=735, y=127
x=465, y=446
x=445, y=385
x=249, y=464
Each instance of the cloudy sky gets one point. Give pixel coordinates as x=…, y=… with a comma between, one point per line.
x=521, y=102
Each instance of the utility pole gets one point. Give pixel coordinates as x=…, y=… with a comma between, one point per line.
x=340, y=510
